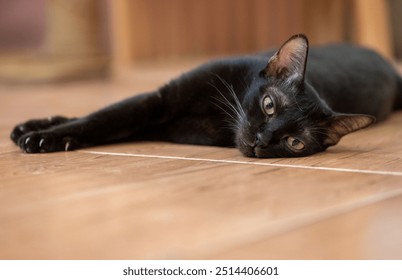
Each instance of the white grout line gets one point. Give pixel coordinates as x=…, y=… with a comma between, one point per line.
x=322, y=168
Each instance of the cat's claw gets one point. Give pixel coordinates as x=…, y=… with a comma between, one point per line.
x=37, y=142
x=31, y=143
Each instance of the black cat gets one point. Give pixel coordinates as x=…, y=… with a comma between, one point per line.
x=284, y=107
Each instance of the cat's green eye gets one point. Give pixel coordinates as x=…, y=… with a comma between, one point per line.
x=268, y=106
x=295, y=143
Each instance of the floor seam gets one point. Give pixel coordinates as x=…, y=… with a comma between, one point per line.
x=321, y=168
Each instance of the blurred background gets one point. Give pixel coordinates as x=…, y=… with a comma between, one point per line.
x=57, y=40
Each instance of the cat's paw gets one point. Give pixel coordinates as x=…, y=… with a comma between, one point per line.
x=35, y=125
x=46, y=142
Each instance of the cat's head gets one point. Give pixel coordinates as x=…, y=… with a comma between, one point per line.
x=284, y=116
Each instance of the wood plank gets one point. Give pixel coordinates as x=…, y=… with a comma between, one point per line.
x=371, y=232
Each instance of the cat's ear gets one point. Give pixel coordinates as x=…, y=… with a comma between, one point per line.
x=343, y=124
x=289, y=62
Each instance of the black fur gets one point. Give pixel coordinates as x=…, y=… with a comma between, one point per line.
x=284, y=107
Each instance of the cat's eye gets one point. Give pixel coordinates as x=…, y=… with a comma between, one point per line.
x=295, y=143
x=268, y=106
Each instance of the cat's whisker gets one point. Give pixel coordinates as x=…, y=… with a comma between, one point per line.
x=227, y=104
x=233, y=120
x=231, y=90
x=238, y=108
x=233, y=108
x=240, y=115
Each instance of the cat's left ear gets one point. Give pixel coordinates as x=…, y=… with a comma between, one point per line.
x=343, y=124
x=289, y=62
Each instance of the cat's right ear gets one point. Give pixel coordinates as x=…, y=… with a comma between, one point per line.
x=340, y=125
x=289, y=62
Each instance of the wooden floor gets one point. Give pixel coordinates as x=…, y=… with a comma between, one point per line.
x=167, y=201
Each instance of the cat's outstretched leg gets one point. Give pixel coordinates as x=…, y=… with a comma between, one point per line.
x=113, y=123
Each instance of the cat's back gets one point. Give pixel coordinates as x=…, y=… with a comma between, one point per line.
x=347, y=56
x=352, y=79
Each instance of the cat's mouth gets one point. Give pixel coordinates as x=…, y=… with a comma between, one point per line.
x=250, y=152
x=255, y=151
x=246, y=147
x=247, y=150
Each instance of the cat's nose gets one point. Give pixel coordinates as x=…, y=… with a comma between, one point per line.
x=261, y=140
x=257, y=140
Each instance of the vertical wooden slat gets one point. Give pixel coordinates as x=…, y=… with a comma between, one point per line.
x=185, y=25
x=373, y=27
x=261, y=10
x=241, y=25
x=175, y=27
x=324, y=20
x=278, y=22
x=121, y=35
x=284, y=20
x=199, y=31
x=159, y=13
x=395, y=10
x=141, y=28
x=295, y=11
x=222, y=31
x=159, y=31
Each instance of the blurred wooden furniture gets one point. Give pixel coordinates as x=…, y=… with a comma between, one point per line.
x=373, y=27
x=145, y=29
x=72, y=47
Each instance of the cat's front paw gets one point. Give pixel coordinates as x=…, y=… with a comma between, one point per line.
x=35, y=125
x=46, y=142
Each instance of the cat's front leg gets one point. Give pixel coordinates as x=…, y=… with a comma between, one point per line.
x=115, y=123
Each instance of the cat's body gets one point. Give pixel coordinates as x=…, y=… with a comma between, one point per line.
x=266, y=109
